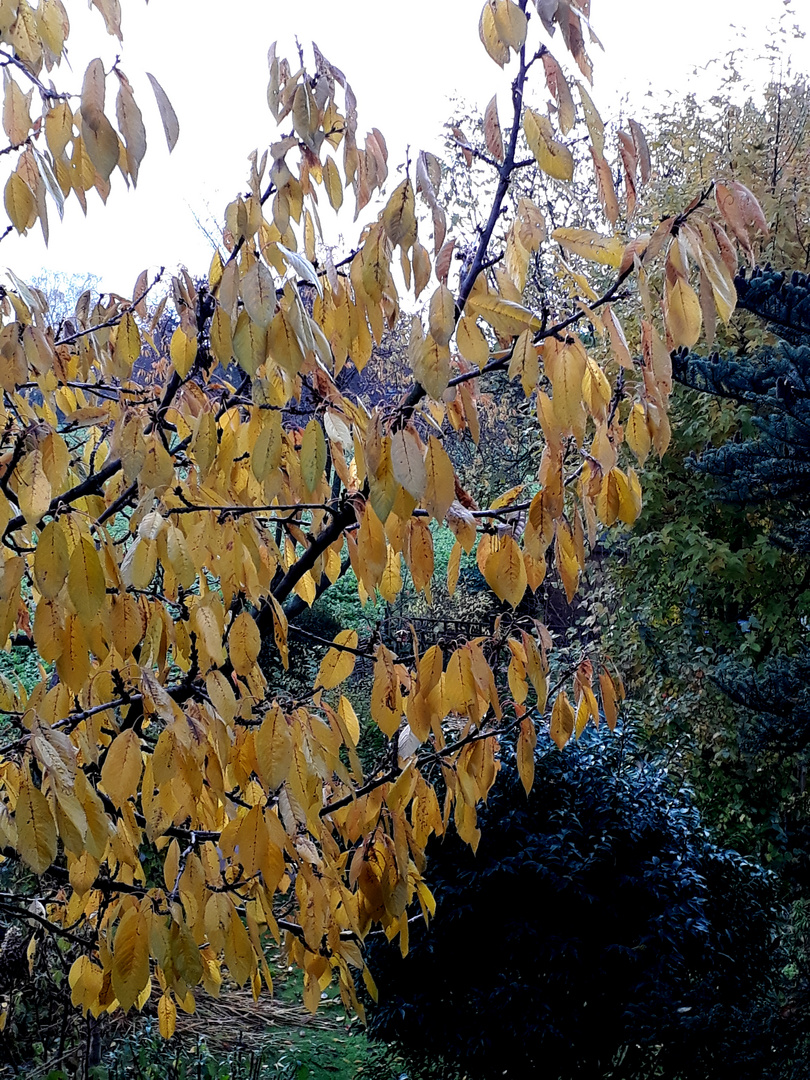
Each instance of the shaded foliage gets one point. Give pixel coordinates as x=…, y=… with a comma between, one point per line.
x=767, y=472
x=627, y=944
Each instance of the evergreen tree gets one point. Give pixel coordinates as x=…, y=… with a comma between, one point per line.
x=767, y=474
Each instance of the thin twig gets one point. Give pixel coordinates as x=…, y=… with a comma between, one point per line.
x=115, y=319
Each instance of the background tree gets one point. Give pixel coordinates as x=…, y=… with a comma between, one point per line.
x=710, y=598
x=167, y=806
x=763, y=472
x=616, y=918
x=704, y=578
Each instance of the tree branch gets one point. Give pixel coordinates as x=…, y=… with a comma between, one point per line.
x=115, y=319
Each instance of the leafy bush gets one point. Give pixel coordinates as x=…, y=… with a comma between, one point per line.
x=597, y=932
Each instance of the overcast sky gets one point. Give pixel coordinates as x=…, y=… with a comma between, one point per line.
x=404, y=61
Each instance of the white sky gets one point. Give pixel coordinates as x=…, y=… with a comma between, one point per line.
x=404, y=61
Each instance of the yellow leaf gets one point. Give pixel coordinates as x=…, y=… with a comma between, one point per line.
x=130, y=958
x=85, y=981
x=127, y=347
x=73, y=663
x=707, y=251
x=590, y=245
x=383, y=486
x=58, y=128
x=390, y=584
x=408, y=462
x=251, y=344
x=313, y=454
x=349, y=718
x=536, y=668
x=51, y=560
x=130, y=124
x=471, y=342
x=419, y=553
x=637, y=433
x=83, y=873
x=683, y=315
x=490, y=38
x=305, y=112
x=596, y=390
x=34, y=491
x=220, y=691
x=552, y=156
x=179, y=557
x=581, y=717
x=506, y=498
x=506, y=317
x=183, y=350
x=505, y=571
x=244, y=643
x=399, y=216
x=259, y=294
x=221, y=337
x=265, y=456
x=122, y=768
x=36, y=828
x=561, y=91
x=334, y=186
x=526, y=742
x=524, y=363
x=371, y=547
x=562, y=720
x=338, y=664
x=16, y=111
x=157, y=471
x=565, y=365
x=442, y=316
x=386, y=697
x=431, y=366
x=629, y=498
x=280, y=630
x=618, y=342
x=608, y=691
x=607, y=501
x=252, y=839
x=19, y=202
x=440, y=490
x=57, y=755
x=49, y=630
x=421, y=268
x=167, y=1015
x=273, y=745
x=87, y=585
x=128, y=624
x=510, y=22
x=566, y=558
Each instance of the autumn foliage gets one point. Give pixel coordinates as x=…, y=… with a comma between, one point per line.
x=159, y=527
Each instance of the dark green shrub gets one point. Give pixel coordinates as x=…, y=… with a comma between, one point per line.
x=597, y=932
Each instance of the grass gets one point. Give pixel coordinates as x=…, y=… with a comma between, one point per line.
x=231, y=1037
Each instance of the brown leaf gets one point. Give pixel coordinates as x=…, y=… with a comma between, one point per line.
x=492, y=130
x=604, y=187
x=561, y=92
x=642, y=151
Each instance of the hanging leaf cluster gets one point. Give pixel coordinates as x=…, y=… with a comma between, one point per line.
x=159, y=531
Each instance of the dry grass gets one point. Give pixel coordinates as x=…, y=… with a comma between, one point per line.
x=235, y=1019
